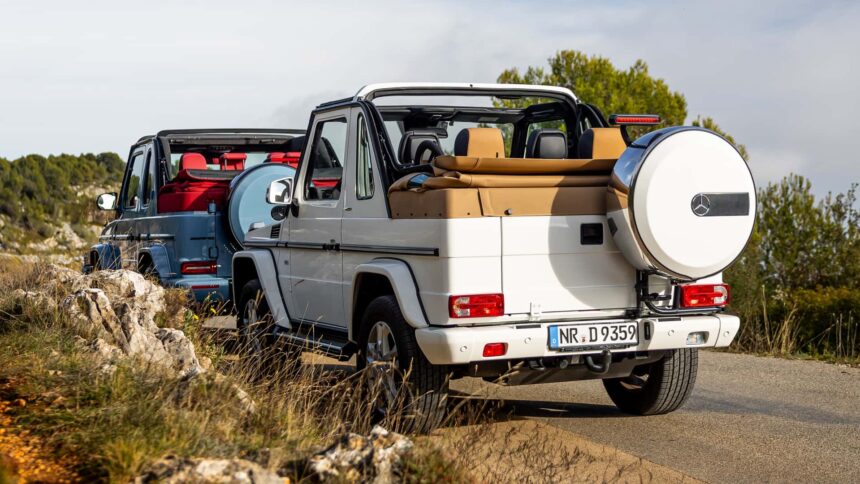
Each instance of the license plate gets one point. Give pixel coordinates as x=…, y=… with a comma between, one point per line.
x=593, y=336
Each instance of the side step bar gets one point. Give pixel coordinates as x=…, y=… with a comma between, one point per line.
x=333, y=344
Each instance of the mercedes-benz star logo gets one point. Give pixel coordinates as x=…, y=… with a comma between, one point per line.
x=701, y=204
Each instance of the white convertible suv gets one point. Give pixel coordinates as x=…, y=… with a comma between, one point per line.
x=509, y=232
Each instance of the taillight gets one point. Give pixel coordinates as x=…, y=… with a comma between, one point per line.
x=704, y=295
x=495, y=349
x=634, y=119
x=199, y=267
x=476, y=306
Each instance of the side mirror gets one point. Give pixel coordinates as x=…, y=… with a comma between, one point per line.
x=106, y=201
x=280, y=192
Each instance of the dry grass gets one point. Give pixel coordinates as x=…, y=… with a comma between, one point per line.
x=108, y=426
x=115, y=423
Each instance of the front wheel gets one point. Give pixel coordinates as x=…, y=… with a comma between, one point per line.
x=656, y=388
x=405, y=388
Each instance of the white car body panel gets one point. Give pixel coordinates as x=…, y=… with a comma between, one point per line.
x=453, y=346
x=539, y=263
x=266, y=273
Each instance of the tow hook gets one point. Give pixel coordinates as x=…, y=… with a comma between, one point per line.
x=602, y=367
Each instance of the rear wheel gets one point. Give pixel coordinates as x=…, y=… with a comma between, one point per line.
x=405, y=388
x=147, y=268
x=254, y=320
x=656, y=388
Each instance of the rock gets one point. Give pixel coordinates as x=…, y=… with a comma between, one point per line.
x=64, y=236
x=181, y=351
x=174, y=470
x=34, y=298
x=356, y=458
x=116, y=309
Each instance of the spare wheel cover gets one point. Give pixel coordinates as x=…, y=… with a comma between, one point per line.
x=691, y=201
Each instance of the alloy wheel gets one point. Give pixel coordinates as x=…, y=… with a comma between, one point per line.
x=253, y=328
x=381, y=361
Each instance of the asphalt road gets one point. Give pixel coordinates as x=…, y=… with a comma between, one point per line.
x=749, y=419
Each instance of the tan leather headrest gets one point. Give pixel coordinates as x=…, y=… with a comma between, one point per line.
x=480, y=142
x=601, y=144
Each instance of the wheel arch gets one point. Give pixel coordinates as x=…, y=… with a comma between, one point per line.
x=260, y=265
x=382, y=277
x=156, y=256
x=104, y=256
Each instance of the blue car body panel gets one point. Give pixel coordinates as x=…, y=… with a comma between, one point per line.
x=140, y=238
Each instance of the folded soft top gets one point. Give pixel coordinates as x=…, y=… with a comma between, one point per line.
x=521, y=166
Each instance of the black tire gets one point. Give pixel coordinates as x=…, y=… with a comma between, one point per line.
x=255, y=337
x=426, y=395
x=261, y=348
x=147, y=269
x=656, y=388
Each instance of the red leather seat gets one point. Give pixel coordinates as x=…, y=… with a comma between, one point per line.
x=233, y=161
x=187, y=193
x=289, y=158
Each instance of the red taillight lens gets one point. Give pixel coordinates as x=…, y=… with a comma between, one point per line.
x=199, y=267
x=634, y=119
x=495, y=349
x=476, y=306
x=704, y=295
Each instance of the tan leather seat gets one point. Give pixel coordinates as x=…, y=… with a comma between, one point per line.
x=480, y=142
x=601, y=144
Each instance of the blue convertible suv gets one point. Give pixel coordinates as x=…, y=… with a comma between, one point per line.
x=181, y=212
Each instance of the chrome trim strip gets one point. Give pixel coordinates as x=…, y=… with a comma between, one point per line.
x=387, y=249
x=377, y=249
x=261, y=243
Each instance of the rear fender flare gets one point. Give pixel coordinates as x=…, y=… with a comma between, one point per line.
x=107, y=256
x=160, y=260
x=266, y=272
x=404, y=285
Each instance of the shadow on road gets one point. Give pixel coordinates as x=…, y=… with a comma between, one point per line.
x=497, y=409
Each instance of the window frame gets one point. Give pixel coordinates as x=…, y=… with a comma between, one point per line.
x=362, y=128
x=148, y=180
x=139, y=151
x=309, y=171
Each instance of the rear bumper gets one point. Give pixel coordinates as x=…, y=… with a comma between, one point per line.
x=203, y=287
x=462, y=345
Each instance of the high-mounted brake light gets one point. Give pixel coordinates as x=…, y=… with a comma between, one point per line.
x=634, y=119
x=704, y=295
x=199, y=267
x=476, y=306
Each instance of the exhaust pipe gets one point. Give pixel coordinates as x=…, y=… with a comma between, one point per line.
x=599, y=368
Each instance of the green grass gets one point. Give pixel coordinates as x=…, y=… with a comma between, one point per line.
x=113, y=423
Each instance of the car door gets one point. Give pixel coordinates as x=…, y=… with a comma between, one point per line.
x=131, y=204
x=365, y=215
x=315, y=261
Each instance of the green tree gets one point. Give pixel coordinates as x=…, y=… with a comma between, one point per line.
x=595, y=80
x=38, y=193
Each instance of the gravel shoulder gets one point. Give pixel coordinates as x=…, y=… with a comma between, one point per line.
x=750, y=419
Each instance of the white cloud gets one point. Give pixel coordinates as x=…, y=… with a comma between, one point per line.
x=780, y=77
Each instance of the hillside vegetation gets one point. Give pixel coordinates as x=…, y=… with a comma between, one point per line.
x=52, y=199
x=797, y=285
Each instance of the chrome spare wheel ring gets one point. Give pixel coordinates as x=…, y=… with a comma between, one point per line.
x=381, y=360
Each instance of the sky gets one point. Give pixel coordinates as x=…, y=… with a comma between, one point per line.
x=783, y=78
